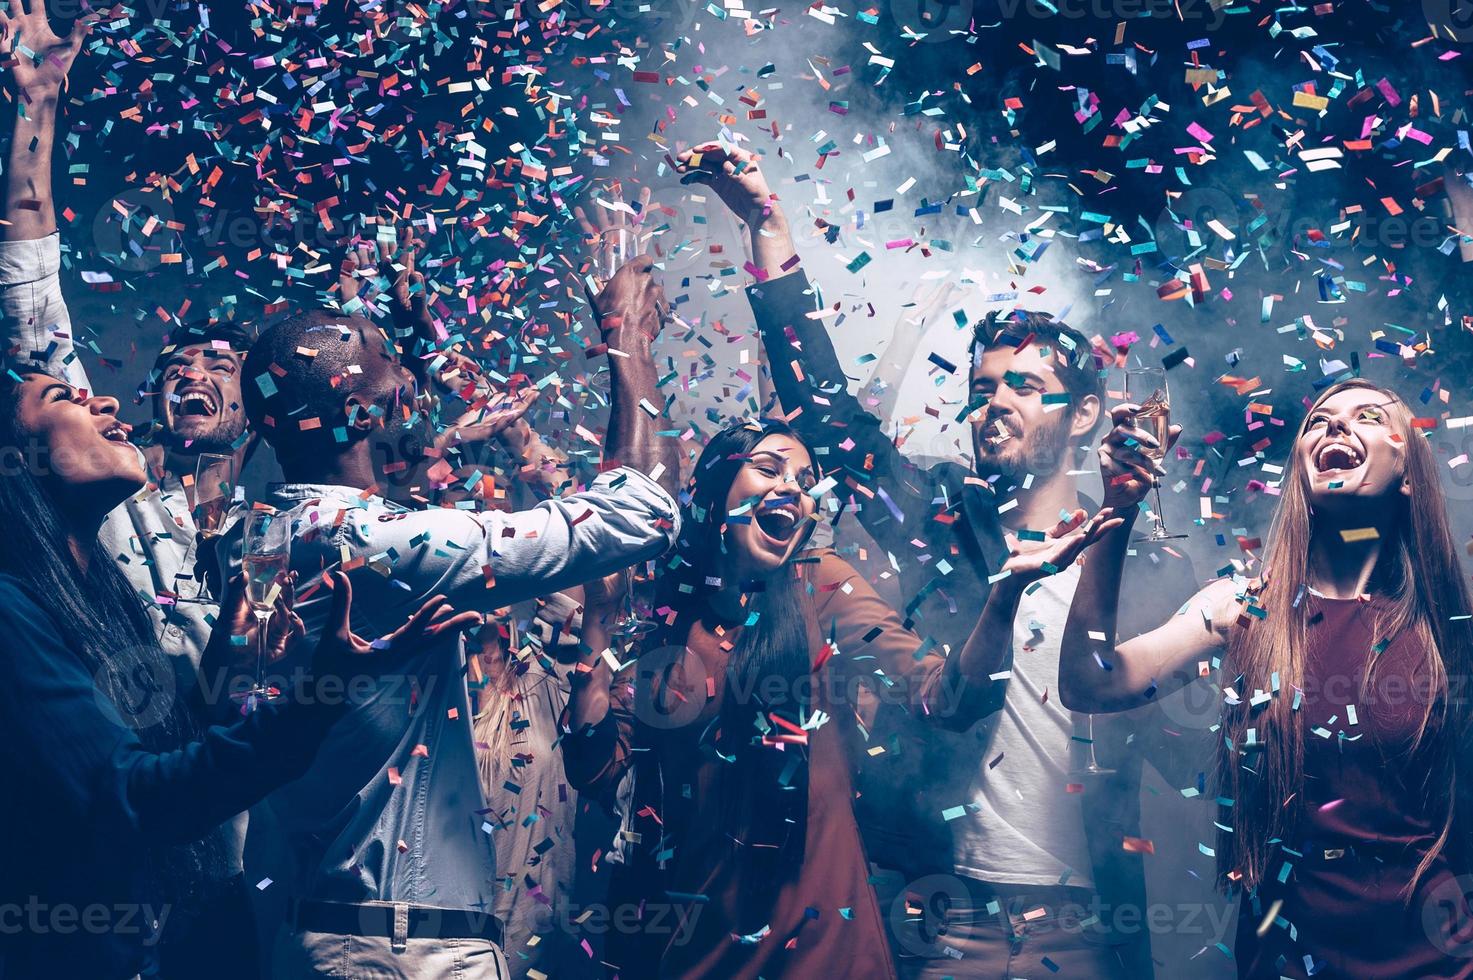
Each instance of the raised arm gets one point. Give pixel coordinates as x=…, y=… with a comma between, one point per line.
x=32, y=312
x=1095, y=673
x=805, y=368
x=630, y=309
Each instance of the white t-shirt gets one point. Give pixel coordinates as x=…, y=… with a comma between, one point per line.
x=1023, y=825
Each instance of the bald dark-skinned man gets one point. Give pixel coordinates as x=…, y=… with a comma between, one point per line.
x=394, y=869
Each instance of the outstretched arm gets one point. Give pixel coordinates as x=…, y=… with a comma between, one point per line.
x=1096, y=675
x=32, y=311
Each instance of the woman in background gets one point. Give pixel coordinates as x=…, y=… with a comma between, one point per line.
x=522, y=691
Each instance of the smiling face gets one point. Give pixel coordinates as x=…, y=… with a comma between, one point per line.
x=76, y=446
x=1016, y=433
x=199, y=402
x=1352, y=449
x=768, y=506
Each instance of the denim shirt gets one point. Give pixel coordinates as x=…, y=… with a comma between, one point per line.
x=392, y=808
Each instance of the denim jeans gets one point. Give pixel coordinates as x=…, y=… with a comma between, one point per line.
x=1031, y=932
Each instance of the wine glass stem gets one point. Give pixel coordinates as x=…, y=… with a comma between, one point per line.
x=1160, y=521
x=1090, y=727
x=263, y=624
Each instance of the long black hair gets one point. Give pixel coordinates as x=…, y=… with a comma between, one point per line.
x=103, y=621
x=769, y=671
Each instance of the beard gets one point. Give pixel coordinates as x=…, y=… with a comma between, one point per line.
x=218, y=438
x=403, y=441
x=1040, y=452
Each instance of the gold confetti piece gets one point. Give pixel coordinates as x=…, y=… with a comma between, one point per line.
x=1268, y=919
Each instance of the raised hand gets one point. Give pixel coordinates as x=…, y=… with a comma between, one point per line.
x=480, y=425
x=931, y=300
x=360, y=263
x=1128, y=469
x=38, y=58
x=733, y=173
x=389, y=266
x=1064, y=543
x=340, y=651
x=631, y=301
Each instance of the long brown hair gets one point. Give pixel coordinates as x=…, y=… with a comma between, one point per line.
x=1419, y=575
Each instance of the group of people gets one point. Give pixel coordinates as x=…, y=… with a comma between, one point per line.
x=686, y=652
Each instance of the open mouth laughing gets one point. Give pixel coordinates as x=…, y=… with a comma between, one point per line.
x=196, y=402
x=1338, y=456
x=779, y=520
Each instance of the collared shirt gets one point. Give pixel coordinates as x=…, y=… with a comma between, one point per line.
x=151, y=535
x=392, y=809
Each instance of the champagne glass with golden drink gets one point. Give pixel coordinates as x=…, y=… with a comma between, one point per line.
x=266, y=559
x=1147, y=388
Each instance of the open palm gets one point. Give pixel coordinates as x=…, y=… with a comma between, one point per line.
x=39, y=58
x=1064, y=543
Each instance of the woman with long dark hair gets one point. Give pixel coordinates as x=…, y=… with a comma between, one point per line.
x=116, y=788
x=1343, y=754
x=741, y=853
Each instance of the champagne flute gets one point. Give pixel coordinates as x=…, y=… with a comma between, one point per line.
x=616, y=246
x=1147, y=388
x=1093, y=768
x=214, y=486
x=631, y=623
x=267, y=557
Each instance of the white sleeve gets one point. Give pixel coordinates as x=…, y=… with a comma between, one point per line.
x=32, y=311
x=488, y=560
